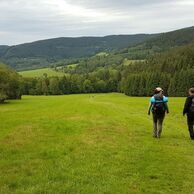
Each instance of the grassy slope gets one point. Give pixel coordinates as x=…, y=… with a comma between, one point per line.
x=40, y=72
x=92, y=144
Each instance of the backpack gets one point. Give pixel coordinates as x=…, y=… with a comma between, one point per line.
x=192, y=107
x=159, y=106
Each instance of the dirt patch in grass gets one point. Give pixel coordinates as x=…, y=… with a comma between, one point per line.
x=103, y=135
x=20, y=136
x=76, y=118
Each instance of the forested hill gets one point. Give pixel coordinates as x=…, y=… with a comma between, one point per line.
x=161, y=43
x=42, y=53
x=172, y=70
x=164, y=43
x=172, y=39
x=3, y=50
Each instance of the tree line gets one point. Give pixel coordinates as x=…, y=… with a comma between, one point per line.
x=101, y=81
x=10, y=84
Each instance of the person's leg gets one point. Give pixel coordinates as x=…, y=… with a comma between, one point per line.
x=191, y=131
x=160, y=124
x=190, y=127
x=154, y=125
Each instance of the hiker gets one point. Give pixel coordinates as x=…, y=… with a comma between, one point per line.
x=158, y=107
x=189, y=110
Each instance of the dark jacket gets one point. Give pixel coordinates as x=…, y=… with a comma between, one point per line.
x=188, y=104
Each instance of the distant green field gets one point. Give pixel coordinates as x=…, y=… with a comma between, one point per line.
x=102, y=54
x=128, y=62
x=92, y=144
x=72, y=65
x=39, y=72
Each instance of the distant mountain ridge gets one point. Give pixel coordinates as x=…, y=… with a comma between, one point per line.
x=3, y=49
x=41, y=53
x=140, y=46
x=162, y=42
x=171, y=39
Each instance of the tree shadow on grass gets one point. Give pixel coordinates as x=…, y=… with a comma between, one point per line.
x=4, y=103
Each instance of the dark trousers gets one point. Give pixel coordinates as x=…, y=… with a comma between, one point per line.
x=157, y=124
x=190, y=123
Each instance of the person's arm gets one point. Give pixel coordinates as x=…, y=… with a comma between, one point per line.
x=186, y=107
x=150, y=108
x=152, y=101
x=166, y=106
x=165, y=100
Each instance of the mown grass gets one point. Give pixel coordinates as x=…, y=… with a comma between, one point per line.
x=72, y=66
x=40, y=72
x=95, y=143
x=128, y=62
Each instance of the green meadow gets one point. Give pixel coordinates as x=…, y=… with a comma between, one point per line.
x=39, y=72
x=92, y=144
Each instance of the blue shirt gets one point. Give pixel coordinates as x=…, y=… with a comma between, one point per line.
x=153, y=100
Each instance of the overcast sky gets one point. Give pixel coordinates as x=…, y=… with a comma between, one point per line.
x=29, y=20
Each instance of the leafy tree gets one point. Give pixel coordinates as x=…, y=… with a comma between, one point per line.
x=87, y=86
x=10, y=84
x=54, y=86
x=101, y=86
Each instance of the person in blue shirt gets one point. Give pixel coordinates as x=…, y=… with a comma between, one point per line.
x=158, y=107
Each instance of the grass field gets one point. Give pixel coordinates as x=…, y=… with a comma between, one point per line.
x=128, y=62
x=39, y=72
x=92, y=144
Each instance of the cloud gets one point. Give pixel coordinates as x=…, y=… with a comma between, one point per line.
x=25, y=21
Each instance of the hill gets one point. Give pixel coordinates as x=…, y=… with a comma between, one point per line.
x=92, y=144
x=161, y=43
x=42, y=53
x=3, y=49
x=172, y=39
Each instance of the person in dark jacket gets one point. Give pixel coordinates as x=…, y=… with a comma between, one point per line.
x=158, y=107
x=189, y=111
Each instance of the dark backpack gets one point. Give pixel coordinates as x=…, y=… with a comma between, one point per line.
x=159, y=106
x=192, y=106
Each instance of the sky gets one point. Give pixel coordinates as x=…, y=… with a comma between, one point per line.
x=30, y=20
